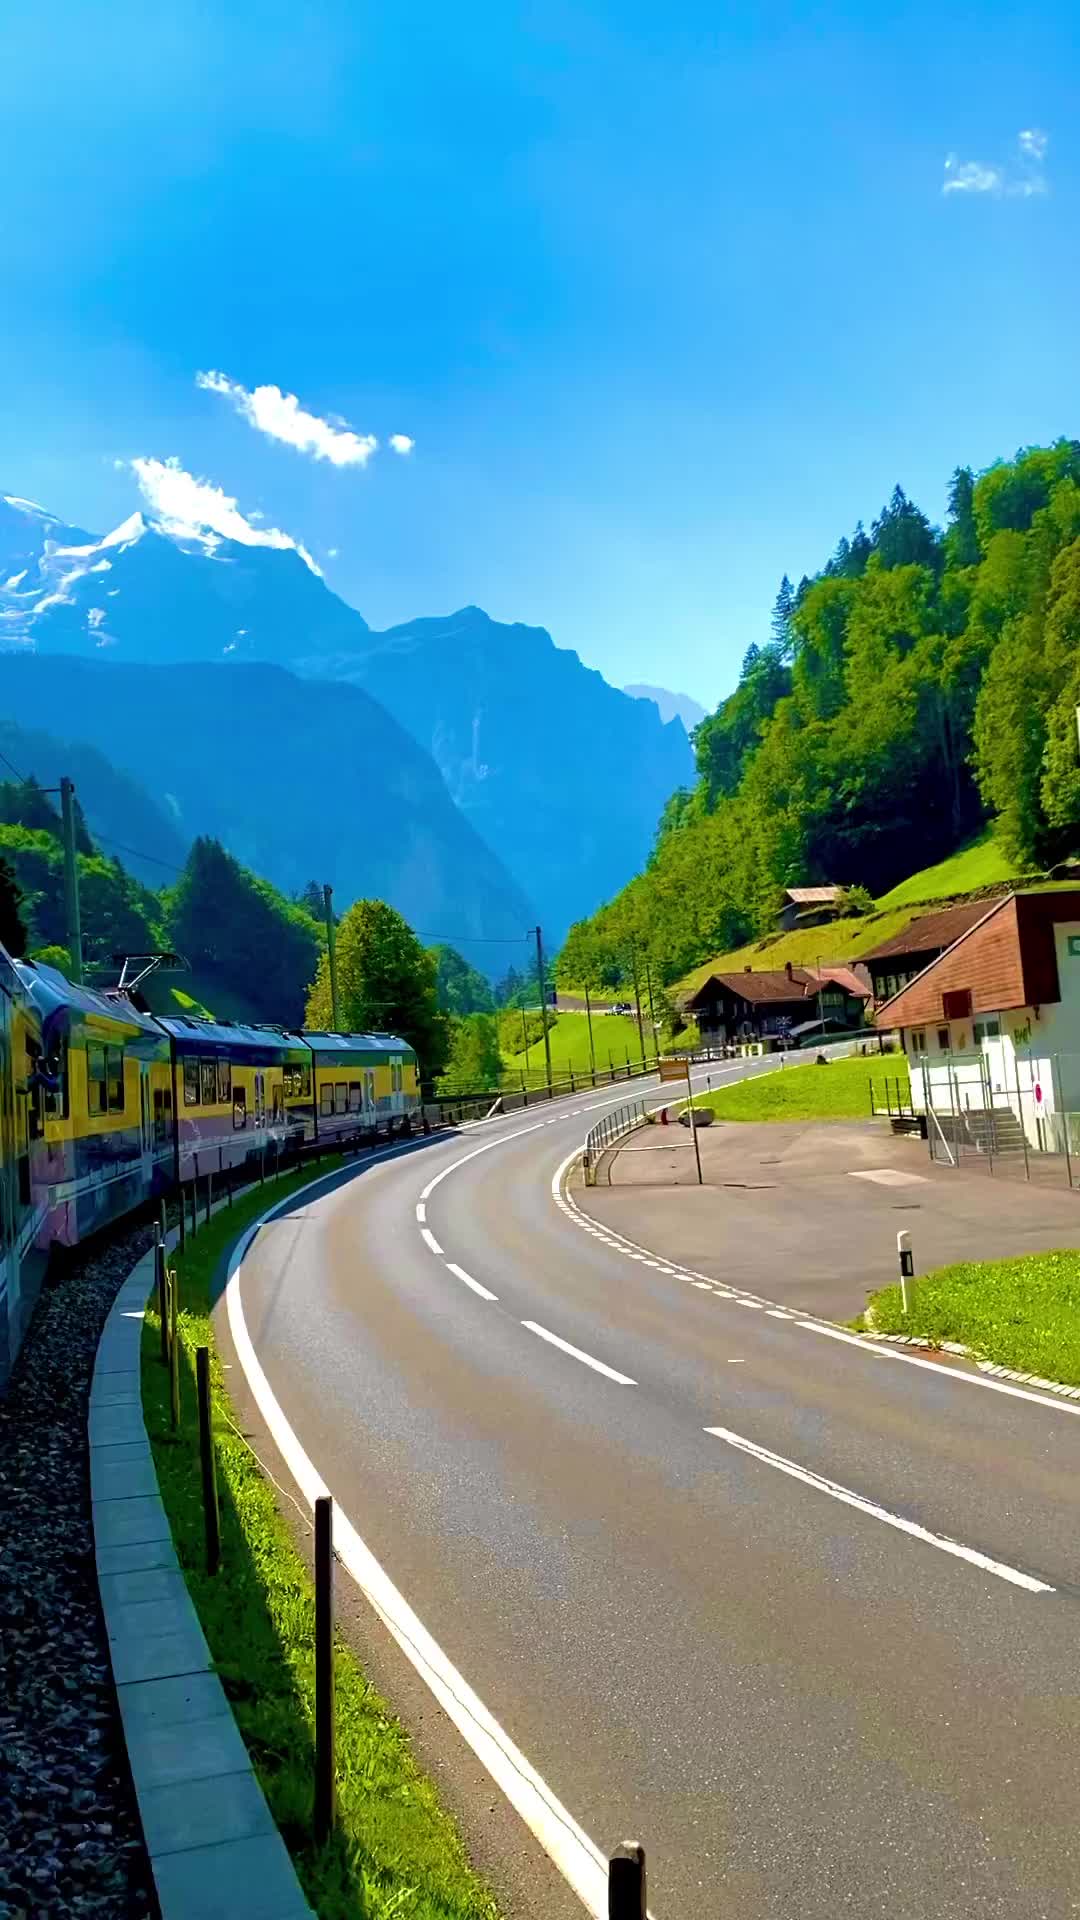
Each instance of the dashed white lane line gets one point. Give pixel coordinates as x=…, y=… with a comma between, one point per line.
x=484, y=1292
x=741, y=1301
x=421, y=1212
x=777, y=1313
x=598, y=1366
x=429, y=1240
x=856, y=1500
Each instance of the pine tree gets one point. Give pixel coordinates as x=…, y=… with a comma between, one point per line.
x=12, y=923
x=783, y=637
x=962, y=539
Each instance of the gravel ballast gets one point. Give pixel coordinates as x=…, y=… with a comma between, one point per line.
x=70, y=1837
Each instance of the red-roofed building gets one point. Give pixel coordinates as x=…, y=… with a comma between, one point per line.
x=774, y=1003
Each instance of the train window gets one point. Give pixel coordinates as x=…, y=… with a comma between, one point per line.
x=239, y=1107
x=208, y=1079
x=57, y=1105
x=162, y=1115
x=114, y=1076
x=326, y=1098
x=341, y=1097
x=356, y=1096
x=224, y=1080
x=277, y=1106
x=191, y=1083
x=95, y=1078
x=305, y=1083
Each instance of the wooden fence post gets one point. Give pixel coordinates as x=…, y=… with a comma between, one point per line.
x=209, y=1465
x=174, y=1348
x=324, y=1669
x=626, y=1882
x=162, y=1295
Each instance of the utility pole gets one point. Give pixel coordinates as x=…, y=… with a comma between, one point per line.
x=331, y=951
x=592, y=1055
x=637, y=1001
x=652, y=1011
x=543, y=1006
x=71, y=881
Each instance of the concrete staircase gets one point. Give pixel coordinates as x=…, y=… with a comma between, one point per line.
x=997, y=1132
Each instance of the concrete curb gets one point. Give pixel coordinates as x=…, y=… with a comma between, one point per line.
x=214, y=1849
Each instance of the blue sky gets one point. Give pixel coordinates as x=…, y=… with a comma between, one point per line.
x=666, y=298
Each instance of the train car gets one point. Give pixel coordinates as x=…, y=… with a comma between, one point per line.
x=103, y=1114
x=362, y=1083
x=228, y=1093
x=22, y=1204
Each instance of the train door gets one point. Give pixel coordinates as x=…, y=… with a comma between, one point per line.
x=260, y=1103
x=369, y=1096
x=146, y=1125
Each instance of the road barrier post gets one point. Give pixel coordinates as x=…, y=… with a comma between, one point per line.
x=693, y=1123
x=626, y=1882
x=211, y=1516
x=324, y=1669
x=907, y=1266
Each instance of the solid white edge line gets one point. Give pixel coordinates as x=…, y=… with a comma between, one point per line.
x=856, y=1500
x=429, y=1240
x=598, y=1366
x=484, y=1292
x=882, y=1352
x=577, y=1857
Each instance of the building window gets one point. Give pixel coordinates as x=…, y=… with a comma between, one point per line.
x=987, y=1030
x=943, y=1039
x=208, y=1078
x=918, y=1042
x=326, y=1098
x=191, y=1083
x=224, y=1081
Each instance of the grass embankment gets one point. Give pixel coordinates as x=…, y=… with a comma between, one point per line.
x=980, y=864
x=613, y=1034
x=834, y=944
x=838, y=1091
x=395, y=1851
x=1022, y=1313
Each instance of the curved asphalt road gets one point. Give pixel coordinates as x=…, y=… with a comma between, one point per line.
x=822, y=1662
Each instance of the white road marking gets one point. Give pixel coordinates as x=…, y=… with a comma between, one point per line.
x=736, y=1363
x=429, y=1240
x=856, y=1500
x=887, y=1176
x=577, y=1857
x=702, y=1284
x=777, y=1313
x=943, y=1373
x=741, y=1302
x=598, y=1366
x=484, y=1292
x=421, y=1212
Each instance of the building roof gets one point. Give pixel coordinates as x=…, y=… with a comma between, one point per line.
x=846, y=977
x=813, y=896
x=1007, y=959
x=761, y=987
x=931, y=931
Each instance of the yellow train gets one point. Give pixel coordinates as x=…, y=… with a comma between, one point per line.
x=104, y=1106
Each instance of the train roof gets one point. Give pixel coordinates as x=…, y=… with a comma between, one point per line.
x=353, y=1042
x=189, y=1030
x=51, y=991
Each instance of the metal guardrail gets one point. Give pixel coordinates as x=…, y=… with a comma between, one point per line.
x=611, y=1127
x=449, y=1108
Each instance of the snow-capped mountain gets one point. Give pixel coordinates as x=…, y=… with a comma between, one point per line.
x=563, y=774
x=152, y=591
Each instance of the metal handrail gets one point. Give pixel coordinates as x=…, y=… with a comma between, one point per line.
x=611, y=1127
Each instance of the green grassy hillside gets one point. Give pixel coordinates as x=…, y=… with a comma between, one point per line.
x=980, y=864
x=613, y=1034
x=196, y=994
x=838, y=1091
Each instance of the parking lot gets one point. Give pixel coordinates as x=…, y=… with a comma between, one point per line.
x=807, y=1213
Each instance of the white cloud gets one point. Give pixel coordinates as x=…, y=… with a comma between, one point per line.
x=1021, y=181
x=970, y=176
x=401, y=443
x=281, y=417
x=197, y=507
x=331, y=553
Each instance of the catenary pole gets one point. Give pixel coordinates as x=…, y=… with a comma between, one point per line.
x=331, y=949
x=71, y=880
x=543, y=1005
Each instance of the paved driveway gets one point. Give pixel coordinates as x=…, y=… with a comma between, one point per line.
x=808, y=1212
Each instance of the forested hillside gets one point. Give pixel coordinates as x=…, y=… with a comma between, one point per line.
x=923, y=683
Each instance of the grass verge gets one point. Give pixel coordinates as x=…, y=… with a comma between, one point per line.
x=614, y=1035
x=396, y=1852
x=838, y=1091
x=1022, y=1313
